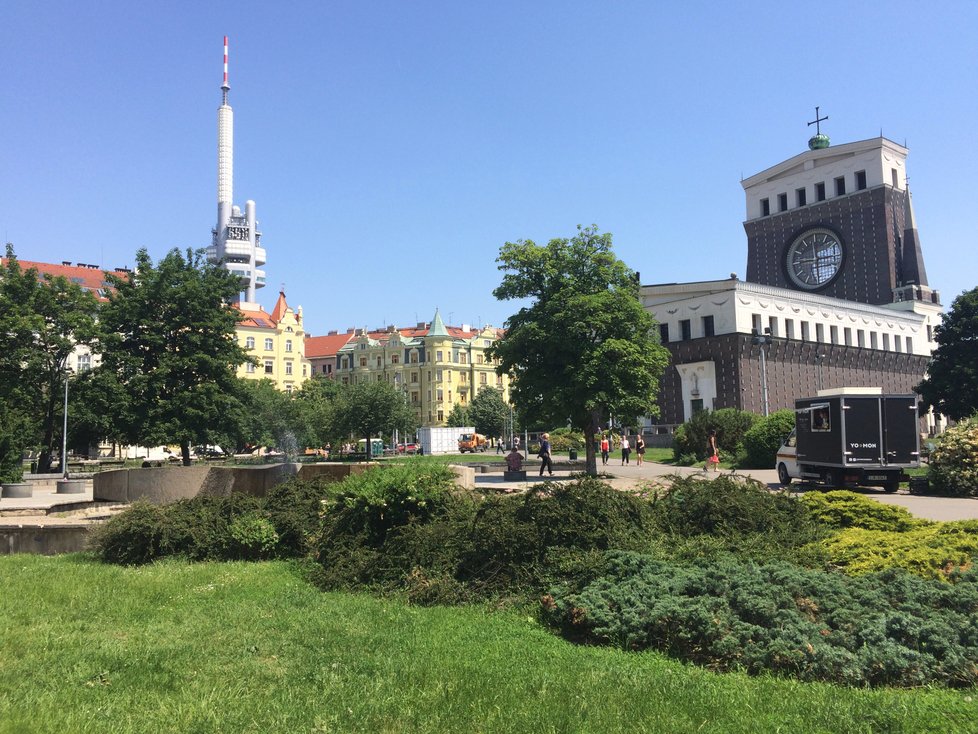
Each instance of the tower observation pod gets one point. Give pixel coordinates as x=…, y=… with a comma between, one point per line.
x=235, y=241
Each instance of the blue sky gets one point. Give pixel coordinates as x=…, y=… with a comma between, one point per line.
x=392, y=147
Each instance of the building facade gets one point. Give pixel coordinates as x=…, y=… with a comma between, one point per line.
x=436, y=366
x=276, y=341
x=836, y=295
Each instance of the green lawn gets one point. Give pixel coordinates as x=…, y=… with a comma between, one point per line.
x=178, y=647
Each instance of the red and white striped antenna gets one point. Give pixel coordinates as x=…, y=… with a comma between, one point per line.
x=225, y=85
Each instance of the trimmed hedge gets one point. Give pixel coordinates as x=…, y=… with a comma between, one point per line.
x=690, y=439
x=764, y=438
x=879, y=629
x=840, y=509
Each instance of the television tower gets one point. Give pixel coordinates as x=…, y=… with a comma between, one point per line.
x=235, y=241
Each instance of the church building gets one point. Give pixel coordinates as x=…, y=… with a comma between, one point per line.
x=836, y=293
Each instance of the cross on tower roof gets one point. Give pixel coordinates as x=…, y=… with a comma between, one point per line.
x=816, y=122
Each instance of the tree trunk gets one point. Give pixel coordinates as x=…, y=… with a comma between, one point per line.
x=589, y=430
x=185, y=451
x=47, y=444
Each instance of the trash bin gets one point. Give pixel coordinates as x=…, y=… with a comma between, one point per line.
x=572, y=454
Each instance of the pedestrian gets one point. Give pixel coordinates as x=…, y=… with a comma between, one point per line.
x=639, y=449
x=499, y=445
x=605, y=449
x=712, y=453
x=626, y=449
x=545, y=461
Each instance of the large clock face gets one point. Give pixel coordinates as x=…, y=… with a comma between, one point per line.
x=814, y=258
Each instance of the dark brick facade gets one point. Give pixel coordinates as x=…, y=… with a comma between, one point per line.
x=869, y=224
x=792, y=372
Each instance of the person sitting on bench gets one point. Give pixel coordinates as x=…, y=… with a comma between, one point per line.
x=514, y=460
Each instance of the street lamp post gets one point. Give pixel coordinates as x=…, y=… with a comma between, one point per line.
x=64, y=432
x=763, y=340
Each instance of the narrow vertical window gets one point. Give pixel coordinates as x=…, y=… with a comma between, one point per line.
x=782, y=202
x=765, y=207
x=708, y=326
x=820, y=191
x=860, y=180
x=840, y=186
x=801, y=197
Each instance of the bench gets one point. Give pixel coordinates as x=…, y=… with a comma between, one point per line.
x=514, y=476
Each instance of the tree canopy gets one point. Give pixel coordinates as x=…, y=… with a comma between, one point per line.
x=489, y=412
x=370, y=408
x=584, y=348
x=42, y=319
x=951, y=384
x=169, y=341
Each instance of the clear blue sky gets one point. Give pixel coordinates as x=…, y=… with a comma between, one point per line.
x=392, y=147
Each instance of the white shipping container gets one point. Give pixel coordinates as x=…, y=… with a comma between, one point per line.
x=439, y=440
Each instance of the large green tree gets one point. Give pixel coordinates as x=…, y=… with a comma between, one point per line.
x=458, y=416
x=42, y=319
x=370, y=408
x=169, y=340
x=489, y=412
x=583, y=348
x=951, y=384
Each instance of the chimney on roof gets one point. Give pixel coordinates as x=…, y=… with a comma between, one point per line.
x=66, y=262
x=349, y=331
x=466, y=327
x=332, y=333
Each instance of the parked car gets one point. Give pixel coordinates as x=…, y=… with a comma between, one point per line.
x=407, y=448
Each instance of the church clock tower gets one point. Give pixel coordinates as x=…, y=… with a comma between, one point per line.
x=837, y=221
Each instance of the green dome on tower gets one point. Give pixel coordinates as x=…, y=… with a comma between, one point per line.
x=817, y=142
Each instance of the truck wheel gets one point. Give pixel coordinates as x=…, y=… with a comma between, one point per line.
x=891, y=487
x=783, y=475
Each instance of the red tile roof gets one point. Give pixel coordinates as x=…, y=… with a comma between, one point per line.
x=325, y=346
x=89, y=278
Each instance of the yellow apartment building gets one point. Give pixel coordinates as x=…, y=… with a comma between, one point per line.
x=436, y=366
x=276, y=341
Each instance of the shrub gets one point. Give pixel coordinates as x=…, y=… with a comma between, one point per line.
x=730, y=424
x=733, y=514
x=931, y=550
x=141, y=534
x=840, y=509
x=253, y=537
x=954, y=461
x=764, y=438
x=878, y=629
x=564, y=439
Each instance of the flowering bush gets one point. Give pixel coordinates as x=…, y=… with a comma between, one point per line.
x=954, y=463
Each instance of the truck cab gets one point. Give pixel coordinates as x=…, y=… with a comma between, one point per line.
x=472, y=442
x=852, y=437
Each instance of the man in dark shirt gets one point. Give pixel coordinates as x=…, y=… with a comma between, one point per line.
x=545, y=462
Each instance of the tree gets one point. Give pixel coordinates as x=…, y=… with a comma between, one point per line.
x=951, y=384
x=41, y=322
x=370, y=408
x=169, y=341
x=458, y=416
x=489, y=412
x=584, y=348
x=315, y=410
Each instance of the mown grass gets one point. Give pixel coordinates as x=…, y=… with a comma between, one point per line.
x=237, y=647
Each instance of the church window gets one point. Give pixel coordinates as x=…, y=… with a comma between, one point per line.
x=782, y=202
x=834, y=334
x=772, y=324
x=789, y=329
x=847, y=336
x=895, y=177
x=886, y=342
x=805, y=334
x=269, y=345
x=873, y=340
x=685, y=331
x=708, y=326
x=664, y=333
x=860, y=338
x=819, y=333
x=250, y=342
x=909, y=345
x=801, y=197
x=860, y=180
x=820, y=191
x=840, y=186
x=765, y=207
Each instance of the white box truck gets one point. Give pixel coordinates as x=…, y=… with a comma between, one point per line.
x=441, y=440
